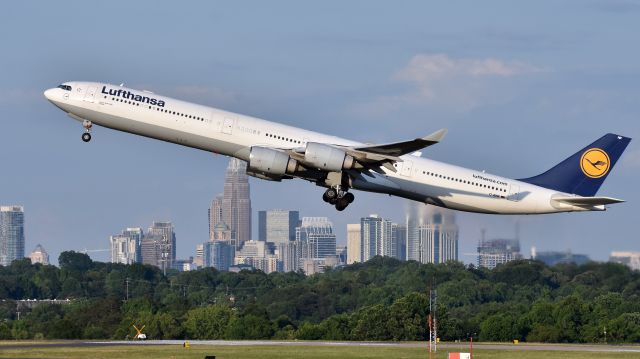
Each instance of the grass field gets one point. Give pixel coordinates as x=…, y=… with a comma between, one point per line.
x=279, y=352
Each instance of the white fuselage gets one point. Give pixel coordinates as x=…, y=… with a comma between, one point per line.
x=210, y=129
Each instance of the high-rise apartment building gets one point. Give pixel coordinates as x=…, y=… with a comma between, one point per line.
x=354, y=243
x=233, y=206
x=432, y=234
x=277, y=225
x=39, y=255
x=11, y=234
x=377, y=238
x=125, y=247
x=318, y=233
x=399, y=234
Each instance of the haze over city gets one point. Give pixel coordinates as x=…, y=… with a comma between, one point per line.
x=518, y=92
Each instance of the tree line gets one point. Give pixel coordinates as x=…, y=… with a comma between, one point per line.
x=382, y=299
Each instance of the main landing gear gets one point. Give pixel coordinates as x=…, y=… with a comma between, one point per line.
x=86, y=136
x=337, y=197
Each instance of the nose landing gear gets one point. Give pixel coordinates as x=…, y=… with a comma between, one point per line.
x=337, y=197
x=86, y=136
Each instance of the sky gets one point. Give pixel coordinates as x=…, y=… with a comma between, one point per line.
x=520, y=86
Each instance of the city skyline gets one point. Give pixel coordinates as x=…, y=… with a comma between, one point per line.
x=518, y=93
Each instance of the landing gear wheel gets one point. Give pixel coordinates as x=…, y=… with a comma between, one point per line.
x=86, y=137
x=331, y=193
x=341, y=204
x=349, y=197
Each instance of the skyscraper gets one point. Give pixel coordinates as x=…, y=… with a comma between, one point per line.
x=11, y=234
x=432, y=234
x=318, y=233
x=215, y=215
x=233, y=207
x=39, y=255
x=158, y=247
x=399, y=233
x=377, y=238
x=354, y=244
x=125, y=247
x=279, y=225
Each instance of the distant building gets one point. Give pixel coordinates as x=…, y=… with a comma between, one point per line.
x=432, y=234
x=318, y=233
x=218, y=254
x=11, y=234
x=236, y=201
x=399, y=234
x=184, y=265
x=158, y=247
x=222, y=232
x=39, y=255
x=552, y=258
x=630, y=259
x=198, y=260
x=291, y=255
x=377, y=238
x=493, y=252
x=215, y=214
x=354, y=243
x=341, y=254
x=125, y=247
x=259, y=255
x=277, y=225
x=312, y=266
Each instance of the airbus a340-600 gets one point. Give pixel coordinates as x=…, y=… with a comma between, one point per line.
x=276, y=152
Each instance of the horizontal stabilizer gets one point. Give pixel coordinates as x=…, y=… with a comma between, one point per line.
x=588, y=201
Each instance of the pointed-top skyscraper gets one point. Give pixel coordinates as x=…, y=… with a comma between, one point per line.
x=233, y=208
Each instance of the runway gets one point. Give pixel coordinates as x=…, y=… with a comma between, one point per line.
x=441, y=346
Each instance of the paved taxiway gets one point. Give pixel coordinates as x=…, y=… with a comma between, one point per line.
x=441, y=346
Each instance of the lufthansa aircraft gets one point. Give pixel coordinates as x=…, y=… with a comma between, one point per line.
x=275, y=152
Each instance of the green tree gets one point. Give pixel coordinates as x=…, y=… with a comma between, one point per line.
x=208, y=322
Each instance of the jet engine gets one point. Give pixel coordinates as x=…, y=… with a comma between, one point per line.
x=327, y=157
x=270, y=162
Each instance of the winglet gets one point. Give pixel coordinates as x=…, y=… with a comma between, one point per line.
x=436, y=136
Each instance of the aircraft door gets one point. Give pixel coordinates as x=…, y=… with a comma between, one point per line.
x=227, y=126
x=91, y=94
x=514, y=193
x=405, y=168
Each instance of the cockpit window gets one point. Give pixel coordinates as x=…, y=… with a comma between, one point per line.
x=65, y=87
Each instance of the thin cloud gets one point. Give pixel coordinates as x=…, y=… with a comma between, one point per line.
x=461, y=84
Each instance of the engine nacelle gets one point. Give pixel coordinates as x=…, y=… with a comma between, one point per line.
x=270, y=161
x=327, y=157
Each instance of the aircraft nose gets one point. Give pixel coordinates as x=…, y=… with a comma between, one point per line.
x=49, y=94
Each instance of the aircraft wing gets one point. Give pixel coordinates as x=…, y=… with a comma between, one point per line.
x=372, y=157
x=398, y=149
x=588, y=201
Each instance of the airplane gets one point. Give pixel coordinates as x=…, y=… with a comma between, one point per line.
x=276, y=152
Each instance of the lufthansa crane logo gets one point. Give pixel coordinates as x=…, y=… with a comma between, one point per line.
x=594, y=163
